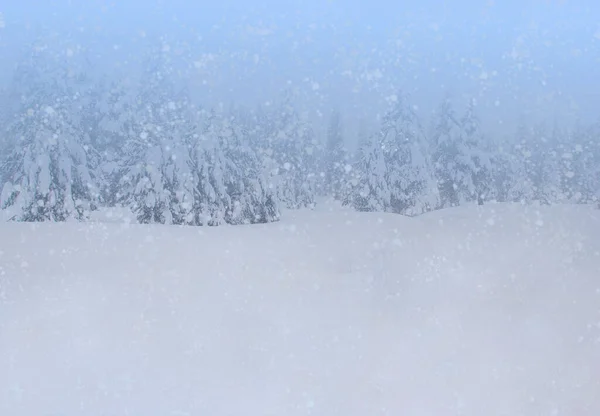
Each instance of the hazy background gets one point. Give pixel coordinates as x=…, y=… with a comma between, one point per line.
x=529, y=58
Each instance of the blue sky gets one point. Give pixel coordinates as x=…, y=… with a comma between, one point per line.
x=531, y=57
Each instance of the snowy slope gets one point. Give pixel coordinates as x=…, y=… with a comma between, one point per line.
x=490, y=310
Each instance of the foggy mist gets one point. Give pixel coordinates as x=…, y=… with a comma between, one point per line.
x=528, y=58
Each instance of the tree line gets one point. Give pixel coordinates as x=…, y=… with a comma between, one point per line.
x=69, y=146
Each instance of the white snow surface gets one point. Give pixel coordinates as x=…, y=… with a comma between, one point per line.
x=491, y=310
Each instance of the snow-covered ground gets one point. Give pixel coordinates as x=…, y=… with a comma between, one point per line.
x=490, y=310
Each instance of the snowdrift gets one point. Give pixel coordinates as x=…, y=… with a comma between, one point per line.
x=490, y=310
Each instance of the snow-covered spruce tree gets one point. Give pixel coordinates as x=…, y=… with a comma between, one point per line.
x=230, y=185
x=156, y=127
x=335, y=159
x=453, y=177
x=555, y=167
x=540, y=166
x=156, y=172
x=502, y=174
x=524, y=162
x=593, y=173
x=547, y=170
x=5, y=116
x=463, y=165
x=550, y=167
x=371, y=188
x=142, y=184
x=49, y=174
x=253, y=200
x=579, y=165
x=287, y=147
x=475, y=157
x=109, y=118
x=185, y=167
x=395, y=172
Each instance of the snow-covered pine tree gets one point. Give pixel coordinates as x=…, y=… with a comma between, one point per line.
x=190, y=167
x=5, y=116
x=523, y=165
x=447, y=141
x=395, y=171
x=463, y=166
x=230, y=183
x=502, y=174
x=287, y=146
x=556, y=165
x=547, y=173
x=253, y=200
x=109, y=119
x=593, y=174
x=579, y=165
x=49, y=174
x=370, y=190
x=158, y=182
x=142, y=184
x=154, y=172
x=335, y=159
x=475, y=157
x=356, y=159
